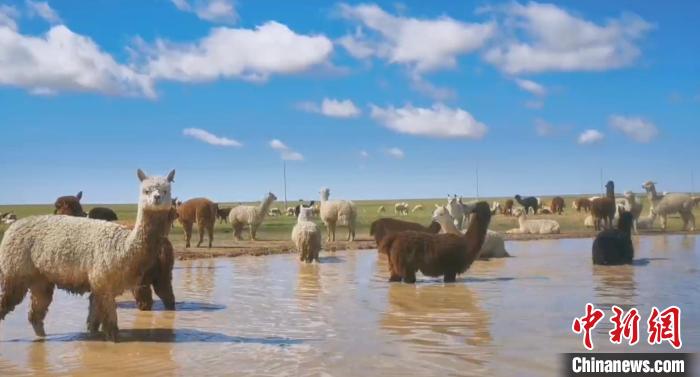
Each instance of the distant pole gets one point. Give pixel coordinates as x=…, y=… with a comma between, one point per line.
x=284, y=173
x=477, y=179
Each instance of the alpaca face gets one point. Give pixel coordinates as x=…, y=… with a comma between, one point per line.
x=325, y=193
x=271, y=196
x=155, y=191
x=305, y=214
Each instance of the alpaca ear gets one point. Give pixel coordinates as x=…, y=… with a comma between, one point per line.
x=141, y=175
x=171, y=176
x=79, y=195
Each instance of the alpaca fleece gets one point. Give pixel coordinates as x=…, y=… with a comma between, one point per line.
x=614, y=246
x=202, y=211
x=307, y=237
x=102, y=213
x=386, y=226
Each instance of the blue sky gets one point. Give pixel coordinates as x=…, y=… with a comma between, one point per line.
x=374, y=100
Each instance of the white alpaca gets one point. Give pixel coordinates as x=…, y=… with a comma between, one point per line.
x=496, y=208
x=274, y=212
x=539, y=226
x=401, y=208
x=290, y=211
x=381, y=209
x=307, y=236
x=251, y=216
x=83, y=255
x=456, y=209
x=671, y=203
x=416, y=208
x=494, y=246
x=334, y=212
x=8, y=218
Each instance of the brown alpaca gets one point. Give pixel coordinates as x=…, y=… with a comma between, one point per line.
x=507, y=208
x=203, y=212
x=69, y=205
x=436, y=254
x=160, y=276
x=582, y=204
x=604, y=208
x=557, y=206
x=386, y=226
x=222, y=215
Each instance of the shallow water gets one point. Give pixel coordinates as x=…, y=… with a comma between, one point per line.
x=271, y=316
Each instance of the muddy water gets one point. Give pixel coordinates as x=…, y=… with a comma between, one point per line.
x=271, y=316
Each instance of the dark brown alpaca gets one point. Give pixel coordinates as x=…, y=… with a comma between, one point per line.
x=159, y=275
x=508, y=208
x=557, y=206
x=604, y=208
x=436, y=254
x=583, y=204
x=202, y=211
x=222, y=215
x=386, y=226
x=69, y=205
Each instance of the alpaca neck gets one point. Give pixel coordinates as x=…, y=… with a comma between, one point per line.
x=610, y=193
x=448, y=226
x=151, y=226
x=264, y=207
x=476, y=234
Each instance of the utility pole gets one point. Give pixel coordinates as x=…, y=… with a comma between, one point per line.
x=284, y=174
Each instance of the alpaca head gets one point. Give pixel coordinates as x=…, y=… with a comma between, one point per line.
x=69, y=205
x=481, y=211
x=270, y=197
x=305, y=214
x=441, y=211
x=155, y=191
x=649, y=186
x=325, y=193
x=626, y=220
x=518, y=197
x=442, y=217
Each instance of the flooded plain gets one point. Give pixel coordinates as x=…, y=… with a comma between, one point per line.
x=272, y=316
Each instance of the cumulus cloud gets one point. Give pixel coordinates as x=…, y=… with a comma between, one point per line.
x=219, y=11
x=422, y=44
x=43, y=9
x=590, y=137
x=8, y=15
x=209, y=138
x=531, y=87
x=438, y=121
x=395, y=153
x=544, y=37
x=332, y=108
x=543, y=128
x=431, y=90
x=636, y=128
x=248, y=54
x=61, y=60
x=285, y=152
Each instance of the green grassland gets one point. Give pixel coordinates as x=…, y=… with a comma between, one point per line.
x=279, y=228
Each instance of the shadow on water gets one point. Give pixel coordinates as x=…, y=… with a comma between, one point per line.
x=182, y=306
x=330, y=259
x=645, y=261
x=165, y=335
x=197, y=267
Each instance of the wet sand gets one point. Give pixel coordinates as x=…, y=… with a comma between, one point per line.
x=272, y=316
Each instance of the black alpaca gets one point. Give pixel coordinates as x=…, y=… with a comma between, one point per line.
x=614, y=246
x=528, y=202
x=297, y=208
x=102, y=213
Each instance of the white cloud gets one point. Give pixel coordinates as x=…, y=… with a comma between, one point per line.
x=8, y=15
x=209, y=138
x=249, y=54
x=422, y=44
x=285, y=152
x=544, y=37
x=332, y=108
x=590, y=137
x=636, y=128
x=534, y=104
x=61, y=60
x=543, y=128
x=43, y=10
x=438, y=121
x=431, y=90
x=395, y=153
x=364, y=154
x=531, y=87
x=219, y=11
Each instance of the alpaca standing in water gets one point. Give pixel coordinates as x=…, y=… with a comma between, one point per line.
x=614, y=246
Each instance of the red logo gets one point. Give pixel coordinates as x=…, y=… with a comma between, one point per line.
x=665, y=326
x=587, y=323
x=626, y=326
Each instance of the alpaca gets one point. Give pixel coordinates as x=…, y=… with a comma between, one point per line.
x=416, y=208
x=529, y=203
x=251, y=216
x=381, y=209
x=603, y=209
x=436, y=254
x=494, y=245
x=557, y=205
x=298, y=207
x=307, y=236
x=335, y=212
x=202, y=211
x=496, y=208
x=614, y=246
x=539, y=226
x=386, y=226
x=82, y=255
x=508, y=208
x=454, y=206
x=102, y=213
x=545, y=210
x=401, y=208
x=290, y=211
x=274, y=212
x=222, y=214
x=8, y=218
x=582, y=204
x=671, y=203
x=160, y=275
x=69, y=205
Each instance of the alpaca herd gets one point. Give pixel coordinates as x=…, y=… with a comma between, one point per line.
x=92, y=253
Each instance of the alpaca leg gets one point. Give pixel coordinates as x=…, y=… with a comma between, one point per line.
x=94, y=315
x=333, y=232
x=253, y=230
x=200, y=228
x=109, y=315
x=12, y=295
x=164, y=290
x=691, y=217
x=409, y=276
x=210, y=233
x=450, y=277
x=663, y=222
x=42, y=294
x=188, y=232
x=143, y=296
